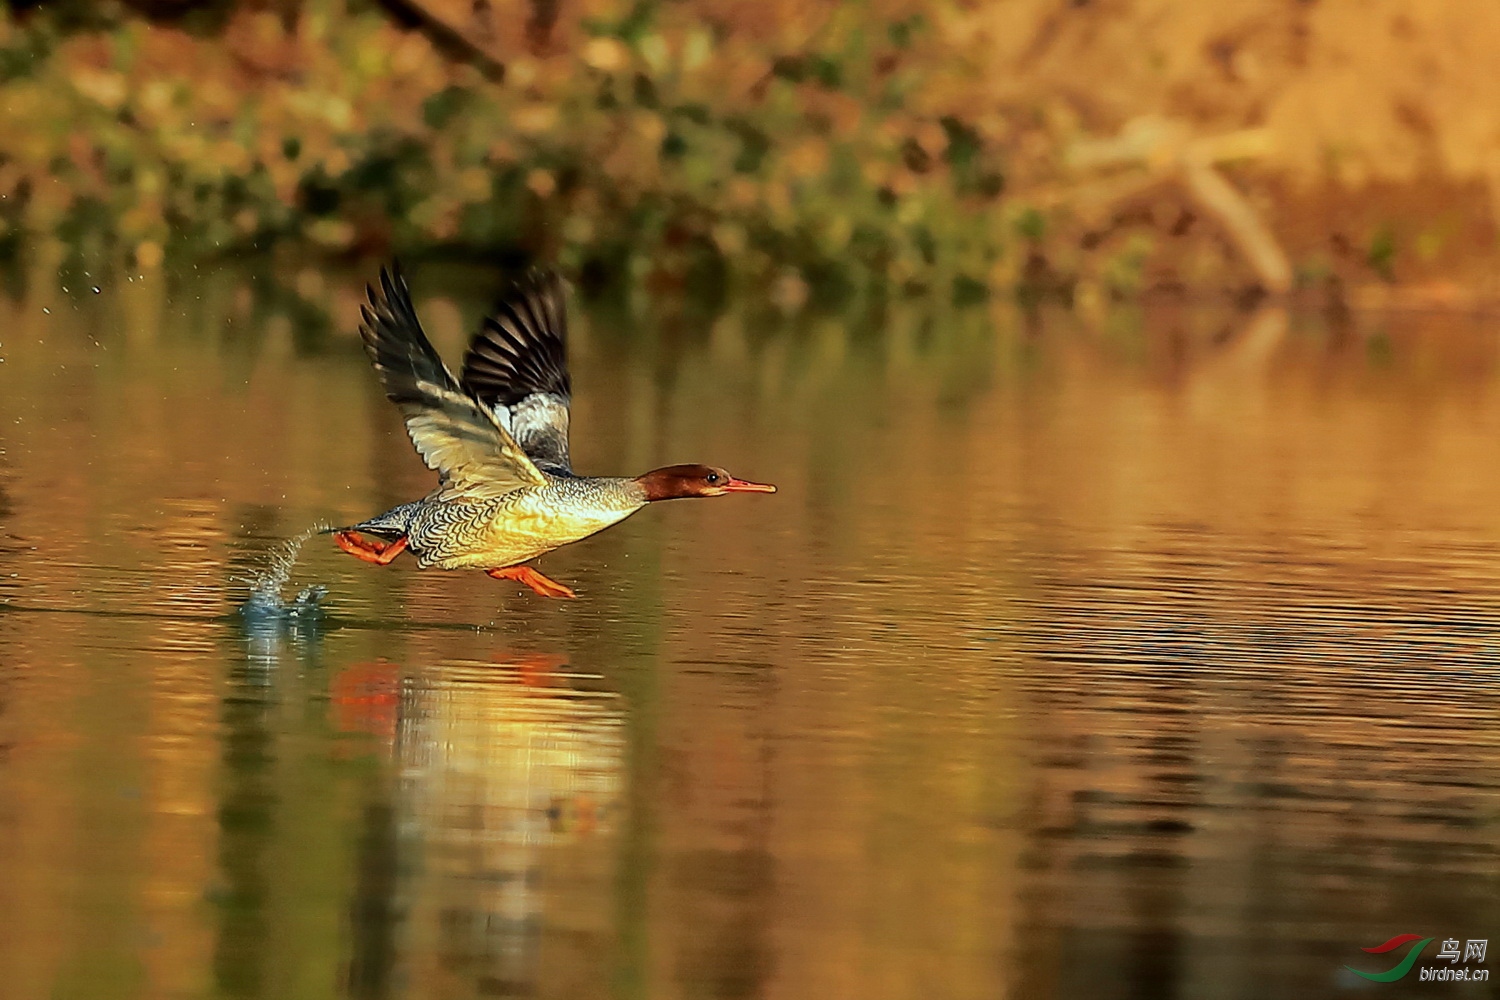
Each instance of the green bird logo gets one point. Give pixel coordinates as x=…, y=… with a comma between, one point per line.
x=1401, y=968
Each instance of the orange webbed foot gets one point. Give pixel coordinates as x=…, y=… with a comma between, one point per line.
x=368, y=549
x=532, y=579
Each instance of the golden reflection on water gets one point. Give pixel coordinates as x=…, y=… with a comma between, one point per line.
x=1129, y=656
x=510, y=794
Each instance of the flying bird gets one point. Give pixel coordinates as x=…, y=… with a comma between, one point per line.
x=498, y=438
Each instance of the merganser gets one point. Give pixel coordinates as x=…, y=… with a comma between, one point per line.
x=498, y=438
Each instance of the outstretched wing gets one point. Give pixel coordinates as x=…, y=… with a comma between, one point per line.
x=454, y=433
x=517, y=365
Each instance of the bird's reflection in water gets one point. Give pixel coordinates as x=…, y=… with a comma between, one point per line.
x=509, y=785
x=366, y=698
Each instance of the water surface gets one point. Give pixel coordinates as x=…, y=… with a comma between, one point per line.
x=1142, y=655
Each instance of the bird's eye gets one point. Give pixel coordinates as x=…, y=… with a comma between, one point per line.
x=712, y=477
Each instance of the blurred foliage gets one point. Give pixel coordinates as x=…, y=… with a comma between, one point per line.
x=655, y=139
x=1086, y=152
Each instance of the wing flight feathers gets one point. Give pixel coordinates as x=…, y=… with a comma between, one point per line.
x=453, y=431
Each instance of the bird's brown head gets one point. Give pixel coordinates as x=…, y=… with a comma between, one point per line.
x=677, y=481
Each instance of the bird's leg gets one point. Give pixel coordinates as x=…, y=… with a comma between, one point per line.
x=369, y=549
x=532, y=579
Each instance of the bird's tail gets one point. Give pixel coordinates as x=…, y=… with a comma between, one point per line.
x=394, y=523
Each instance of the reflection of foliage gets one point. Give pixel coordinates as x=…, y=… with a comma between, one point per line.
x=661, y=136
x=1382, y=253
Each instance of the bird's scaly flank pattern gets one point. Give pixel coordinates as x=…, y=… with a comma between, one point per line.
x=521, y=525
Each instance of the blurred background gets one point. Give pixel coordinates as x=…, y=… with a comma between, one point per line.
x=1127, y=622
x=1090, y=149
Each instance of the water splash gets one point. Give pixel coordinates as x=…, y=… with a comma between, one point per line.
x=266, y=601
